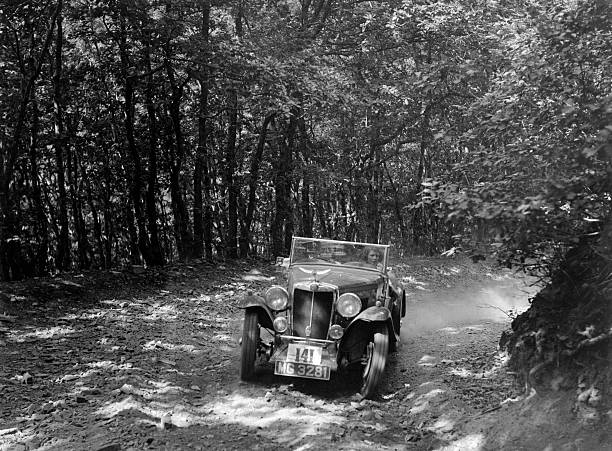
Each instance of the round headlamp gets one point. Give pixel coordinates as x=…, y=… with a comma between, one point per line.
x=348, y=305
x=276, y=298
x=336, y=332
x=280, y=324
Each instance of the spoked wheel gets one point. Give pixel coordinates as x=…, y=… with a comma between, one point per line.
x=250, y=339
x=375, y=359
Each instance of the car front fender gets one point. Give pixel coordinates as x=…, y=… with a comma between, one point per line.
x=374, y=313
x=359, y=330
x=258, y=304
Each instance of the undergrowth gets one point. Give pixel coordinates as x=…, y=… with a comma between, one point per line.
x=563, y=340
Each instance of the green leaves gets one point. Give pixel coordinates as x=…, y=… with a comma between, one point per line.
x=539, y=132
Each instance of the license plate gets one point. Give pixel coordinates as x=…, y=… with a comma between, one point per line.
x=300, y=353
x=305, y=370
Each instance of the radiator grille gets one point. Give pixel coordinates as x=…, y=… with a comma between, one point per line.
x=321, y=313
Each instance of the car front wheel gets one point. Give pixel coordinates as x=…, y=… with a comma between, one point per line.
x=375, y=359
x=250, y=338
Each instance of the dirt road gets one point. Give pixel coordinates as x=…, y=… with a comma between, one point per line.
x=150, y=361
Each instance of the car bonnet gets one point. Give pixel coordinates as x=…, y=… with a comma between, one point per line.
x=341, y=277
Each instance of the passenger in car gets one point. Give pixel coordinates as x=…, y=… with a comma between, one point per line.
x=373, y=257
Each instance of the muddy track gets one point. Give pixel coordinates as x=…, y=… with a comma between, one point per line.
x=156, y=367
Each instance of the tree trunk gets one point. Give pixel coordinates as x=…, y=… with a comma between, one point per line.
x=418, y=216
x=77, y=211
x=202, y=217
x=179, y=209
x=231, y=241
x=397, y=207
x=41, y=227
x=319, y=196
x=245, y=233
x=135, y=166
x=374, y=186
x=157, y=255
x=305, y=207
x=133, y=235
x=306, y=211
x=282, y=225
x=63, y=245
x=344, y=220
x=97, y=226
x=109, y=232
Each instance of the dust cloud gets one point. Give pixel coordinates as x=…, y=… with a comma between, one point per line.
x=429, y=311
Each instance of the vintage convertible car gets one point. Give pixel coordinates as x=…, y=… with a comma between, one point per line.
x=341, y=309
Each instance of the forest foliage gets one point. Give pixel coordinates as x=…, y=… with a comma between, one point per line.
x=146, y=131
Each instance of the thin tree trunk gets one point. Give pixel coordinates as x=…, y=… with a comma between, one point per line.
x=231, y=241
x=373, y=197
x=287, y=164
x=245, y=233
x=357, y=193
x=344, y=214
x=306, y=225
x=179, y=209
x=157, y=255
x=320, y=209
x=208, y=211
x=77, y=215
x=133, y=236
x=109, y=232
x=97, y=226
x=418, y=216
x=282, y=226
x=202, y=223
x=63, y=245
x=397, y=207
x=50, y=205
x=305, y=207
x=41, y=227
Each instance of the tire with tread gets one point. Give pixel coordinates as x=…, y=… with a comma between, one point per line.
x=377, y=350
x=248, y=351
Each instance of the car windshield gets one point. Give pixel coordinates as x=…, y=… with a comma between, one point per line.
x=342, y=253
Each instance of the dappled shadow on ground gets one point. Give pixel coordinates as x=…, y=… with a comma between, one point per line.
x=155, y=366
x=123, y=363
x=152, y=362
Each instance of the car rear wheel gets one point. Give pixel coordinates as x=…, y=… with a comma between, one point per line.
x=375, y=360
x=250, y=338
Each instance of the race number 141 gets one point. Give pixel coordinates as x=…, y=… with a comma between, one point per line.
x=304, y=354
